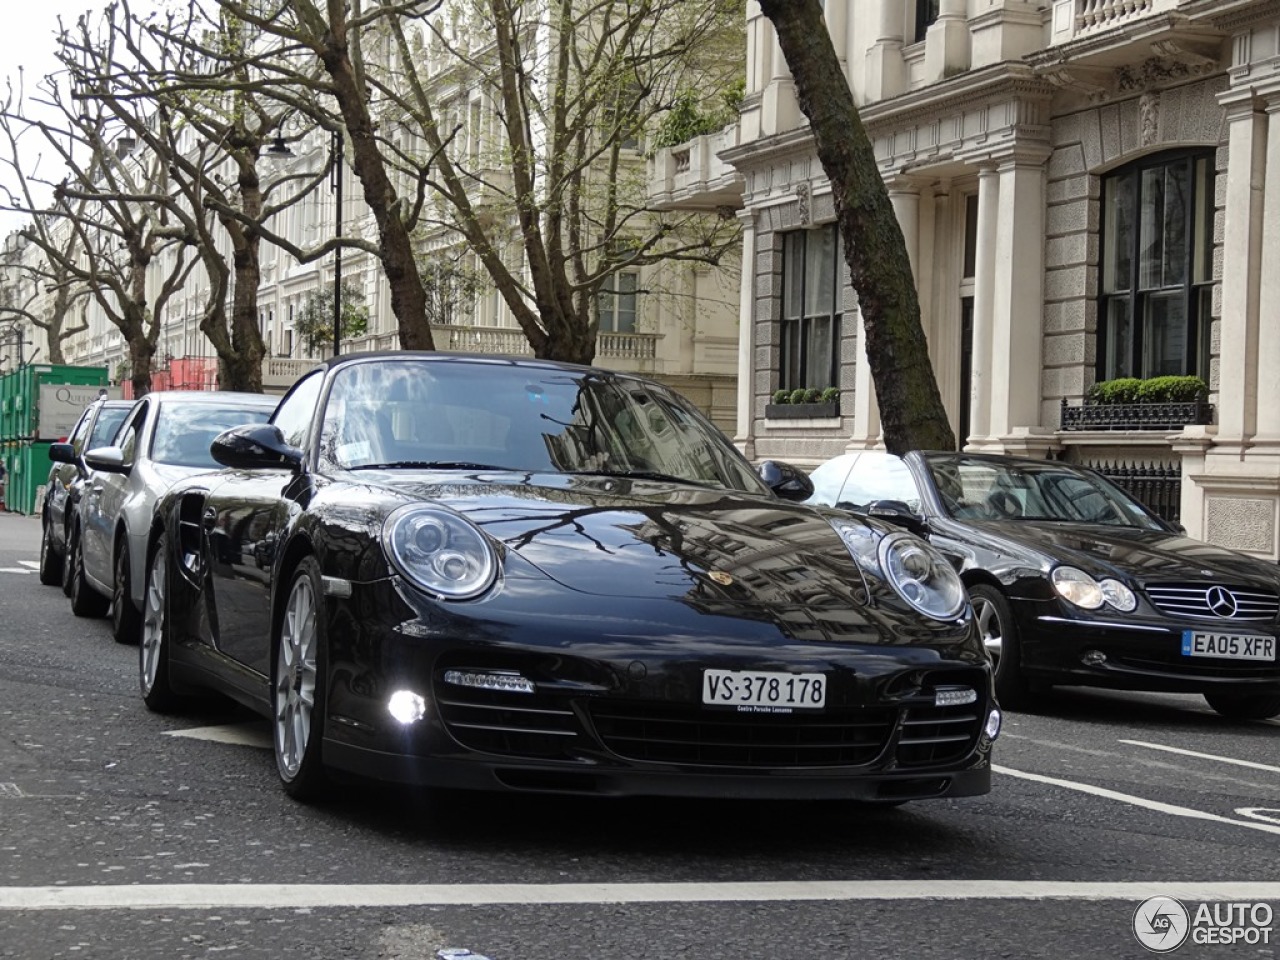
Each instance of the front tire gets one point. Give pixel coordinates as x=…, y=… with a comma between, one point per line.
x=51, y=562
x=156, y=637
x=298, y=685
x=125, y=622
x=1000, y=637
x=1245, y=706
x=85, y=601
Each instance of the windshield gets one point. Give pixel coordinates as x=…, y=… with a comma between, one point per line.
x=499, y=415
x=975, y=488
x=184, y=431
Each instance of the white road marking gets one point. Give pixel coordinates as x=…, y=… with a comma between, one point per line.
x=15, y=570
x=1203, y=756
x=207, y=896
x=252, y=734
x=1156, y=805
x=33, y=564
x=1259, y=813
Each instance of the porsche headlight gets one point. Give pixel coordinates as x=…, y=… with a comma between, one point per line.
x=1077, y=587
x=440, y=551
x=921, y=576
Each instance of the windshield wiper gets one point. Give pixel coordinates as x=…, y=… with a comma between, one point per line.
x=430, y=465
x=639, y=475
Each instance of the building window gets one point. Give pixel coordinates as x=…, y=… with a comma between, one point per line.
x=618, y=304
x=1157, y=268
x=926, y=15
x=810, y=307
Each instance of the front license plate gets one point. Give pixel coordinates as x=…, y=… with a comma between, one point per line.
x=1227, y=646
x=756, y=691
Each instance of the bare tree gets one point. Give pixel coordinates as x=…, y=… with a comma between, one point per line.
x=40, y=293
x=113, y=200
x=911, y=409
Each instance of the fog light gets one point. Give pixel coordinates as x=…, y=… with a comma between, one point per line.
x=954, y=696
x=993, y=724
x=503, y=682
x=1093, y=658
x=406, y=706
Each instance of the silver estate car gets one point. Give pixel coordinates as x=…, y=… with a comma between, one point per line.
x=165, y=437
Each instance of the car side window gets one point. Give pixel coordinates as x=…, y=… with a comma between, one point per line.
x=828, y=479
x=79, y=431
x=297, y=410
x=105, y=427
x=129, y=434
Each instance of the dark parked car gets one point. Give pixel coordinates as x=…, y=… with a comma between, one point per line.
x=517, y=575
x=165, y=436
x=1073, y=581
x=95, y=428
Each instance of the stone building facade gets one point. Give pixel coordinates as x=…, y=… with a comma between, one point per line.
x=1088, y=189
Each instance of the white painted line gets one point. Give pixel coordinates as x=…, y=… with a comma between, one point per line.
x=252, y=734
x=1203, y=756
x=15, y=570
x=1259, y=813
x=33, y=564
x=207, y=896
x=1156, y=805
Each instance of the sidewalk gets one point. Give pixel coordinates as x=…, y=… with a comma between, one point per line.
x=19, y=532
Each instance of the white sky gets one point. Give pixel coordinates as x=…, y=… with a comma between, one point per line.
x=27, y=35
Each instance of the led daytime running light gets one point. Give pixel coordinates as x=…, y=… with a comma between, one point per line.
x=500, y=682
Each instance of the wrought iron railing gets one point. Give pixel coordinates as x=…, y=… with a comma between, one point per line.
x=1135, y=416
x=1158, y=484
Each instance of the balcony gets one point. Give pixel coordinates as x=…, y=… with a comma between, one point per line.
x=691, y=175
x=1122, y=19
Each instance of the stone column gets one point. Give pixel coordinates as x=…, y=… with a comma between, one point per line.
x=979, y=427
x=904, y=194
x=781, y=110
x=1267, y=439
x=1241, y=268
x=866, y=408
x=744, y=439
x=886, y=72
x=946, y=51
x=1017, y=312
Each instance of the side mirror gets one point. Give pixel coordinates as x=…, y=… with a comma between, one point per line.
x=899, y=514
x=106, y=459
x=62, y=453
x=255, y=446
x=786, y=481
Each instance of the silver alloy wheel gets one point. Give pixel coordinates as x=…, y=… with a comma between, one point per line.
x=984, y=612
x=153, y=622
x=295, y=682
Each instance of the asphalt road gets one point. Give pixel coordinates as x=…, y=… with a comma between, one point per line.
x=133, y=836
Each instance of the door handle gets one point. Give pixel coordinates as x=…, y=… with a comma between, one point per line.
x=210, y=518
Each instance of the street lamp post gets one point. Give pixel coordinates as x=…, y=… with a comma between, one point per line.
x=335, y=181
x=280, y=149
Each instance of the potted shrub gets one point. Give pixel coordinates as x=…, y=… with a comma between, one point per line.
x=1129, y=403
x=804, y=403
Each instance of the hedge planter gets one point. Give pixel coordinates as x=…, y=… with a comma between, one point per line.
x=1135, y=416
x=801, y=411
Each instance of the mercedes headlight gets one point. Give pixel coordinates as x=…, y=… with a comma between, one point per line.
x=922, y=576
x=440, y=551
x=1078, y=588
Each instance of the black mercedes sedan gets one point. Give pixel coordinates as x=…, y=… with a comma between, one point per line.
x=515, y=575
x=1075, y=582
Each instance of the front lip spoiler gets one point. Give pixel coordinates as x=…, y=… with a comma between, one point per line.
x=1106, y=624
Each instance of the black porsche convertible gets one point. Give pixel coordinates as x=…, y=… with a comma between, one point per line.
x=1075, y=582
x=503, y=574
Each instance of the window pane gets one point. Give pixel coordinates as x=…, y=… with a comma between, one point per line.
x=1165, y=333
x=1165, y=204
x=1203, y=254
x=970, y=235
x=820, y=261
x=1118, y=236
x=791, y=368
x=1119, y=338
x=821, y=348
x=792, y=275
x=625, y=318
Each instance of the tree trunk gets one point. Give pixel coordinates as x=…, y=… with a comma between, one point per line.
x=141, y=350
x=408, y=300
x=911, y=409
